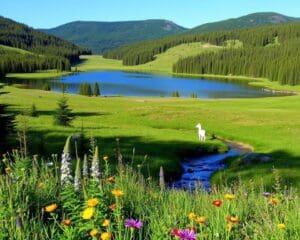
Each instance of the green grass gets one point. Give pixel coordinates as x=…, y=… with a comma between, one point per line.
x=14, y=50
x=163, y=128
x=38, y=75
x=244, y=212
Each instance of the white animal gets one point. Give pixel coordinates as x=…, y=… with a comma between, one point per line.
x=201, y=133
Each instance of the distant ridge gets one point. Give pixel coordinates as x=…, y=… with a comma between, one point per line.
x=251, y=20
x=102, y=36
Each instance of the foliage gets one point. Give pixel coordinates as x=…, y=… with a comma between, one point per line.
x=63, y=114
x=6, y=126
x=36, y=206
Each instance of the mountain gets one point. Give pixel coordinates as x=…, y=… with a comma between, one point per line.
x=102, y=36
x=251, y=20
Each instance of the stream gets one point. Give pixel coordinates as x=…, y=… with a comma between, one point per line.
x=198, y=171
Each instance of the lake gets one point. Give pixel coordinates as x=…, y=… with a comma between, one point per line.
x=118, y=83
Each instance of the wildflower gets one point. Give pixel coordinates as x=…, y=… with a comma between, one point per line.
x=19, y=223
x=93, y=202
x=105, y=158
x=85, y=167
x=229, y=227
x=65, y=168
x=66, y=222
x=95, y=168
x=217, y=203
x=88, y=213
x=187, y=235
x=274, y=200
x=94, y=232
x=105, y=223
x=229, y=197
x=77, y=180
x=112, y=207
x=105, y=236
x=133, y=223
x=51, y=208
x=117, y=193
x=110, y=179
x=267, y=194
x=175, y=232
x=200, y=219
x=8, y=170
x=161, y=178
x=281, y=226
x=41, y=185
x=232, y=219
x=192, y=216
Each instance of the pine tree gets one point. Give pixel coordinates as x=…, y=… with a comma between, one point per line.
x=63, y=114
x=33, y=111
x=96, y=89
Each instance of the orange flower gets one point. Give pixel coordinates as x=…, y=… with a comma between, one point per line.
x=51, y=208
x=117, y=193
x=217, y=203
x=200, y=219
x=110, y=179
x=232, y=219
x=94, y=232
x=93, y=202
x=66, y=222
x=112, y=207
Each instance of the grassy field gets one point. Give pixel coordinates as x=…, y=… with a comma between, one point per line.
x=163, y=128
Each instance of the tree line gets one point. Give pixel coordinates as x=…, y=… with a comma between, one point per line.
x=49, y=51
x=268, y=51
x=85, y=89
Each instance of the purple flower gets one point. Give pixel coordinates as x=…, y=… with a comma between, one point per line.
x=133, y=223
x=267, y=194
x=187, y=235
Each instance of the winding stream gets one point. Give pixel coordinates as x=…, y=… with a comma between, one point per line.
x=198, y=171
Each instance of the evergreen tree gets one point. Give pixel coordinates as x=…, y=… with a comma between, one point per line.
x=46, y=87
x=32, y=111
x=96, y=89
x=63, y=114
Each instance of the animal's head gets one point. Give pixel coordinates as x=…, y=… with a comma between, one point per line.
x=198, y=125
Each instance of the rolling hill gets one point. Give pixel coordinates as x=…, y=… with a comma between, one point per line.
x=102, y=36
x=251, y=20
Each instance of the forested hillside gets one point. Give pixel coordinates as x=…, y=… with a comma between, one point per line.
x=250, y=20
x=44, y=51
x=270, y=51
x=102, y=36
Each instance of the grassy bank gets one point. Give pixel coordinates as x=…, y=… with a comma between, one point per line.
x=162, y=128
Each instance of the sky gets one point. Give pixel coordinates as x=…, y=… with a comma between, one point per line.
x=187, y=13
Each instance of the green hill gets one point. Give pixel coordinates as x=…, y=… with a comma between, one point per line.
x=24, y=49
x=251, y=20
x=102, y=36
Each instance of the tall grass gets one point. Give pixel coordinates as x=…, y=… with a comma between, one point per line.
x=35, y=205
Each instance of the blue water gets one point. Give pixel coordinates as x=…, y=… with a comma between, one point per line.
x=117, y=83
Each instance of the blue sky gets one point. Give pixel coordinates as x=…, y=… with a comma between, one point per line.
x=188, y=13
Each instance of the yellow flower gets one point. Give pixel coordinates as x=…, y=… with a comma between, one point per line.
x=274, y=200
x=105, y=158
x=8, y=170
x=40, y=185
x=281, y=226
x=51, y=208
x=93, y=232
x=117, y=193
x=229, y=226
x=93, y=202
x=200, y=219
x=105, y=236
x=88, y=213
x=105, y=223
x=229, y=196
x=192, y=216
